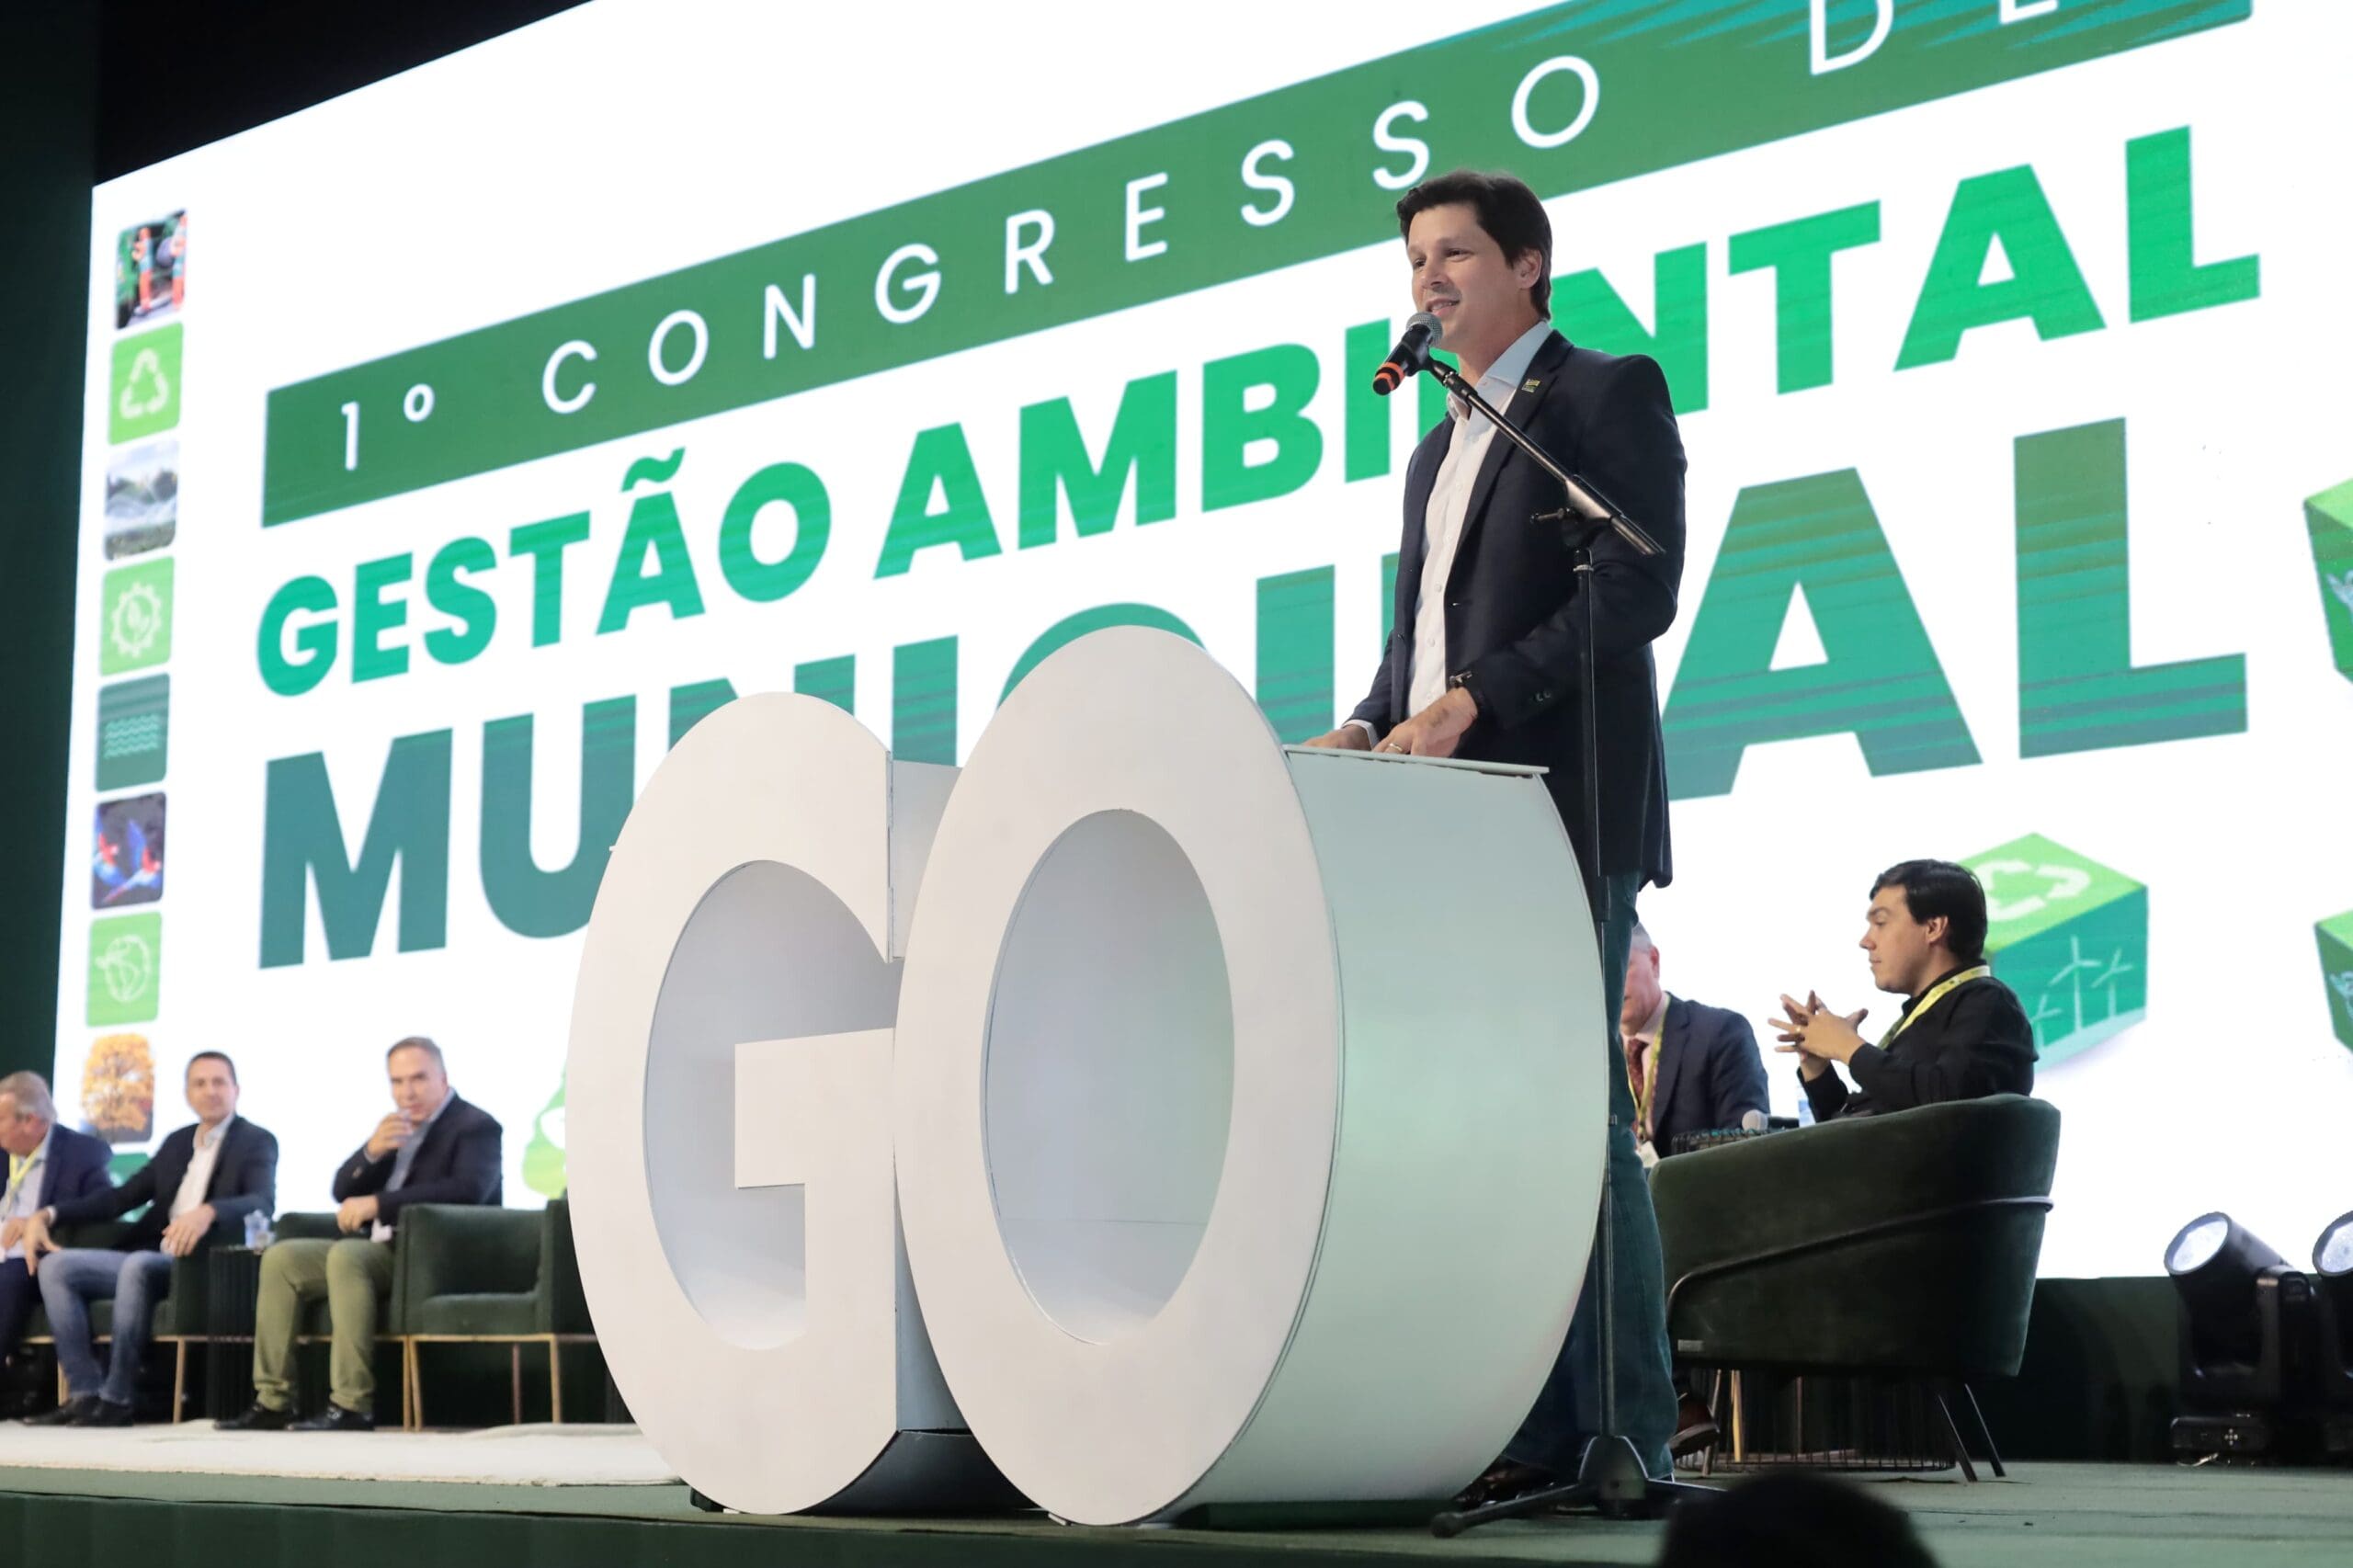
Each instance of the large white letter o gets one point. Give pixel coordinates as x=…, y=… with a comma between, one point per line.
x=1208, y=1071
x=1591, y=100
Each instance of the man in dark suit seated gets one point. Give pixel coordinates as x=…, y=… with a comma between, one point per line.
x=202, y=1183
x=433, y=1148
x=1961, y=1034
x=46, y=1164
x=1693, y=1068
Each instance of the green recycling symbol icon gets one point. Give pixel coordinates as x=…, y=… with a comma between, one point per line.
x=2060, y=883
x=145, y=391
x=149, y=391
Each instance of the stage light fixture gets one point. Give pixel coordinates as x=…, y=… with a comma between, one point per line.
x=2246, y=1343
x=2333, y=1293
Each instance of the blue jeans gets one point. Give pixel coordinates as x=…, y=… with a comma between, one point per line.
x=70, y=1280
x=1569, y=1409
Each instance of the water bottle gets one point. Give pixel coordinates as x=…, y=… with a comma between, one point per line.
x=257, y=1236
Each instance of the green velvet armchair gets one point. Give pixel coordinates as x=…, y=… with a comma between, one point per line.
x=1901, y=1246
x=477, y=1275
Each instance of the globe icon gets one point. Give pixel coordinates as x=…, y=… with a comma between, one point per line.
x=127, y=968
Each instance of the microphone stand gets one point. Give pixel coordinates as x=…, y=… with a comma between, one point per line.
x=1611, y=1478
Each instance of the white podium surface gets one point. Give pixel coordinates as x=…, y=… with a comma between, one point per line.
x=1220, y=1082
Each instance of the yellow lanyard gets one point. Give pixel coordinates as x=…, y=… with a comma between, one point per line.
x=17, y=1165
x=1935, y=995
x=1647, y=1090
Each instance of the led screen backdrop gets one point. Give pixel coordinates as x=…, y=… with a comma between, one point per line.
x=512, y=413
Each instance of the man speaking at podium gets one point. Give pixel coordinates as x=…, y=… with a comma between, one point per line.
x=1483, y=663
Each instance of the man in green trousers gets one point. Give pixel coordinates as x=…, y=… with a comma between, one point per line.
x=433, y=1148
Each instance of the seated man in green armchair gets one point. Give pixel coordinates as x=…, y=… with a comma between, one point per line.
x=434, y=1148
x=1961, y=1034
x=203, y=1181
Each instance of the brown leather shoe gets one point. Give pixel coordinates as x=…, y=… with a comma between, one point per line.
x=1695, y=1428
x=1505, y=1480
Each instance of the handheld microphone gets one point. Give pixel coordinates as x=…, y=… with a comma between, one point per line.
x=1423, y=333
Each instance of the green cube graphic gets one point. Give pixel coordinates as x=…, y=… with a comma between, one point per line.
x=2337, y=971
x=2070, y=937
x=135, y=617
x=143, y=393
x=134, y=732
x=2329, y=517
x=126, y=968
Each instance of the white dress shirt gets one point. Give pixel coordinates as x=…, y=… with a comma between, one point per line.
x=200, y=1166
x=1446, y=510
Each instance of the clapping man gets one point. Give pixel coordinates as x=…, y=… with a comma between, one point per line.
x=433, y=1148
x=1961, y=1034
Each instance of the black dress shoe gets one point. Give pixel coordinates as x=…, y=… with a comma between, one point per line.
x=70, y=1414
x=260, y=1418
x=105, y=1412
x=1505, y=1480
x=336, y=1418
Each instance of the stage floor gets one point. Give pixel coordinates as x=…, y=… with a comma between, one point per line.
x=588, y=1496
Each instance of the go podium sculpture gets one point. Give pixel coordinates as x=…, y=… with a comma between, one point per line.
x=1124, y=1114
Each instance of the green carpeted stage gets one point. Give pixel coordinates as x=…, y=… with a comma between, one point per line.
x=2046, y=1513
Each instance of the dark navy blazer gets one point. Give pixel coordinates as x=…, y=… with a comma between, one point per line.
x=244, y=1178
x=1514, y=620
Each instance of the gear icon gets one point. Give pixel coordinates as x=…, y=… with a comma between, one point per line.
x=137, y=620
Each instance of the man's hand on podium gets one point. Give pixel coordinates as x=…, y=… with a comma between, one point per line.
x=1347, y=737
x=1436, y=730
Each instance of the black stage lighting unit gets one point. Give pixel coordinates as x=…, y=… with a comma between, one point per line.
x=2246, y=1345
x=2332, y=1291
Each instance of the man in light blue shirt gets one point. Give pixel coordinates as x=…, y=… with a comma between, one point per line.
x=433, y=1148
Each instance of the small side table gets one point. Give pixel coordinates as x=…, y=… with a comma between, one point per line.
x=232, y=1287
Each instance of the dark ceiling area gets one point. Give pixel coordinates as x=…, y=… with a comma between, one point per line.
x=178, y=74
